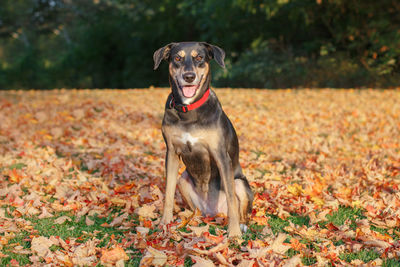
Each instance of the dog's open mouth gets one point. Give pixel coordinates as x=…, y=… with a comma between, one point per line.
x=189, y=91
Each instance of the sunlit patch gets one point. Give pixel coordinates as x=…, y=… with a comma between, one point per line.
x=337, y=149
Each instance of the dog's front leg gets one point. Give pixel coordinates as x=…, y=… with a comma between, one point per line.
x=171, y=170
x=224, y=165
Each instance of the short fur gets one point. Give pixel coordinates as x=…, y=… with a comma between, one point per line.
x=203, y=138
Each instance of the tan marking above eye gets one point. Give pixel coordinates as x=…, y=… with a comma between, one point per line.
x=194, y=53
x=182, y=53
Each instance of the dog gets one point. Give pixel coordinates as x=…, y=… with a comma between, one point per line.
x=197, y=131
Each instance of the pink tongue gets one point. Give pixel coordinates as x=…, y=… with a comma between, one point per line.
x=189, y=91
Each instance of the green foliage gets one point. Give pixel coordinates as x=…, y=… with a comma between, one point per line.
x=188, y=262
x=364, y=255
x=277, y=224
x=46, y=227
x=300, y=220
x=345, y=213
x=291, y=252
x=19, y=239
x=17, y=166
x=22, y=259
x=253, y=232
x=307, y=261
x=391, y=263
x=273, y=44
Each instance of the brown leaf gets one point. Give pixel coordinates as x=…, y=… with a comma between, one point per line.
x=147, y=211
x=62, y=219
x=293, y=261
x=40, y=245
x=118, y=220
x=45, y=213
x=201, y=262
x=88, y=221
x=278, y=246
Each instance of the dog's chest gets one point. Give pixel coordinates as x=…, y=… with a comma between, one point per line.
x=187, y=141
x=187, y=138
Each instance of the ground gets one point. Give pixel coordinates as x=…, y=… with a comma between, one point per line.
x=82, y=180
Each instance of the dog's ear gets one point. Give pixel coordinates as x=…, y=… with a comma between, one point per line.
x=162, y=53
x=216, y=53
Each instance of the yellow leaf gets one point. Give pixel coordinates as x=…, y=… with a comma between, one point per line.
x=295, y=189
x=318, y=201
x=118, y=201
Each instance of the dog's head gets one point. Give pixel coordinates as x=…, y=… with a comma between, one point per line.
x=189, y=68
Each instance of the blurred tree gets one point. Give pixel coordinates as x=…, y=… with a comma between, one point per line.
x=269, y=43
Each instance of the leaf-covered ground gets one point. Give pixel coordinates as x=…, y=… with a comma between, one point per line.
x=82, y=180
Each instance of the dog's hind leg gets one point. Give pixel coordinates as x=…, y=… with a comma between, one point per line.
x=245, y=197
x=187, y=189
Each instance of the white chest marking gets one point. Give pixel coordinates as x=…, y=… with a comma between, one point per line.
x=187, y=137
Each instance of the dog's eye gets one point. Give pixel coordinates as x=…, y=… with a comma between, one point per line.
x=199, y=58
x=178, y=58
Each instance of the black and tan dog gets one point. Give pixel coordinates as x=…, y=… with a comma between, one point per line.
x=196, y=129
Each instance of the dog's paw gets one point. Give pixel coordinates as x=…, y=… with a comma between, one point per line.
x=234, y=232
x=166, y=219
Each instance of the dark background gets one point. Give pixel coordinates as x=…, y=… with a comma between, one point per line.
x=48, y=44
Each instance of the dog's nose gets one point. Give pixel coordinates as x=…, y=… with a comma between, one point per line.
x=189, y=77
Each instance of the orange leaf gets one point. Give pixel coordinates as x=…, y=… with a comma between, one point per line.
x=212, y=238
x=296, y=245
x=15, y=177
x=113, y=255
x=261, y=220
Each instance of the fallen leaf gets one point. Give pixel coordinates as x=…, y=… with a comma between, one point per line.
x=88, y=221
x=62, y=220
x=147, y=211
x=118, y=220
x=40, y=245
x=201, y=262
x=293, y=261
x=278, y=246
x=45, y=213
x=112, y=256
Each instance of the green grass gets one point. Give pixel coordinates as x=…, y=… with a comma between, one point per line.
x=364, y=255
x=188, y=262
x=75, y=229
x=46, y=227
x=308, y=260
x=134, y=260
x=78, y=229
x=291, y=252
x=379, y=230
x=211, y=230
x=277, y=224
x=300, y=220
x=344, y=213
x=338, y=242
x=253, y=232
x=385, y=231
x=23, y=259
x=17, y=166
x=391, y=263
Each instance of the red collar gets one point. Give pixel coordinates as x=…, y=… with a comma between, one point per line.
x=186, y=108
